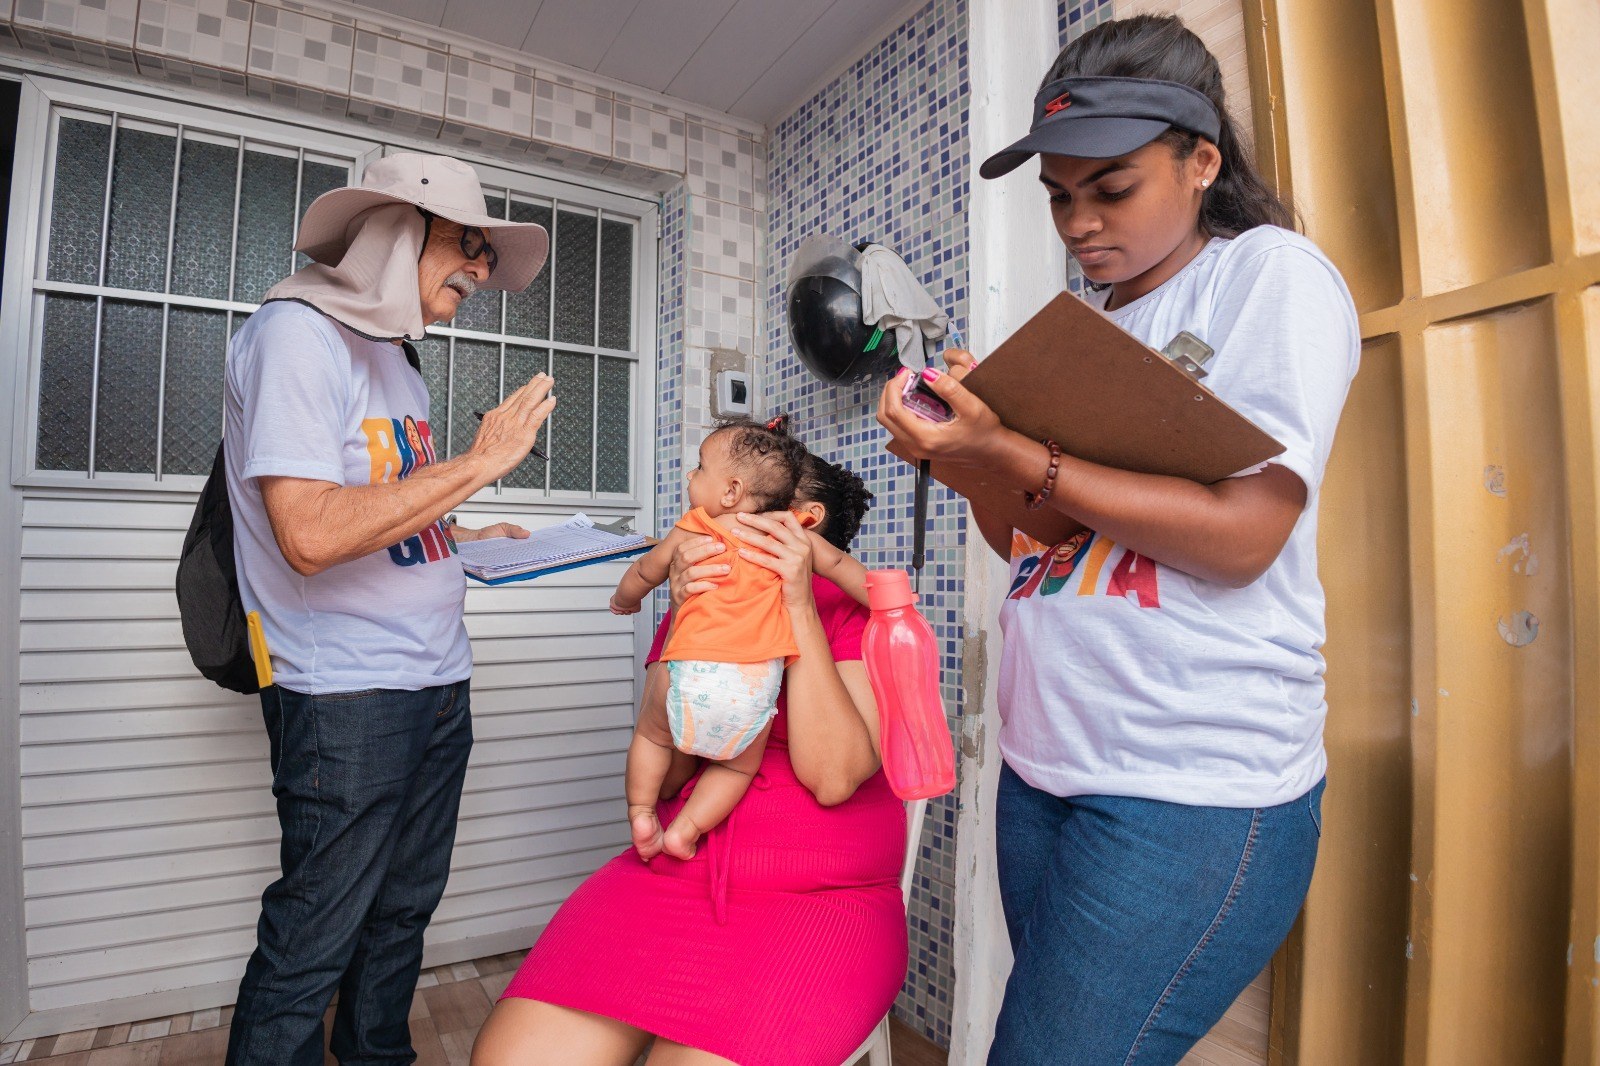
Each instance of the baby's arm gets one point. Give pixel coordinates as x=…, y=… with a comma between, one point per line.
x=839, y=567
x=647, y=571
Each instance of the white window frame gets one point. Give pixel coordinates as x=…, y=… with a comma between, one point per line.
x=22, y=324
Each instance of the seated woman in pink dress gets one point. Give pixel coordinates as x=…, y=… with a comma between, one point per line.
x=782, y=942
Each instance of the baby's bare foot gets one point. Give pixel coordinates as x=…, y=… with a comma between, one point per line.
x=646, y=828
x=681, y=838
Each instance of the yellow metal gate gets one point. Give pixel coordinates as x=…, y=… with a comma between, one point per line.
x=1446, y=154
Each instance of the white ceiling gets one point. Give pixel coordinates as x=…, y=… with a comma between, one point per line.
x=751, y=58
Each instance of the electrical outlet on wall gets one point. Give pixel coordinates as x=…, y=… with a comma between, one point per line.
x=732, y=390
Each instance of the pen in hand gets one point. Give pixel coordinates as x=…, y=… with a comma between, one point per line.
x=536, y=450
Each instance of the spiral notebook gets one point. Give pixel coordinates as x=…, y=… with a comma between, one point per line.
x=571, y=544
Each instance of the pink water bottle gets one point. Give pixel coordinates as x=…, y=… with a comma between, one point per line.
x=903, y=665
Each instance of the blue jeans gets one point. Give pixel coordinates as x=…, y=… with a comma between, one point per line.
x=1137, y=923
x=368, y=785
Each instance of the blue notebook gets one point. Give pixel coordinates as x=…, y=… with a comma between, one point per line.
x=567, y=546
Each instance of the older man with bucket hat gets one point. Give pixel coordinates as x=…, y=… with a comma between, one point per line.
x=343, y=553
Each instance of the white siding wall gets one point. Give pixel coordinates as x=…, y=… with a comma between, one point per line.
x=147, y=818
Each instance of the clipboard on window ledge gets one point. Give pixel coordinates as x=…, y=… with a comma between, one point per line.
x=568, y=545
x=1072, y=375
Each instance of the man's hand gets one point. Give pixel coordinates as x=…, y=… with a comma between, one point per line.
x=509, y=431
x=499, y=529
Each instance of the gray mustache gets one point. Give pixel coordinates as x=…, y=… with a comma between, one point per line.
x=463, y=281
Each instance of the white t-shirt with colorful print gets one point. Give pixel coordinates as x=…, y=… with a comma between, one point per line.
x=307, y=398
x=1121, y=676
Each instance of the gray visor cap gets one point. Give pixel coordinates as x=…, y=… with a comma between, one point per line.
x=1101, y=118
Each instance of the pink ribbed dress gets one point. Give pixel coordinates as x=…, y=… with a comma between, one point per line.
x=781, y=943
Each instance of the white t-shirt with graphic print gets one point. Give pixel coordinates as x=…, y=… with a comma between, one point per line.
x=1124, y=677
x=307, y=398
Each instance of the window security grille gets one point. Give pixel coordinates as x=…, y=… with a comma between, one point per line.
x=161, y=239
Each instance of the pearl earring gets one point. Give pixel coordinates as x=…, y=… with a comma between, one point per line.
x=1205, y=183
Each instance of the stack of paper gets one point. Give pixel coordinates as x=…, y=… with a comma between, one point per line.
x=575, y=542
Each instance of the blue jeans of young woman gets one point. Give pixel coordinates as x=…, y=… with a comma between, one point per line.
x=368, y=785
x=1137, y=923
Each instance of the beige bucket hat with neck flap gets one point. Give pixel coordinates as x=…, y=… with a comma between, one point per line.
x=440, y=185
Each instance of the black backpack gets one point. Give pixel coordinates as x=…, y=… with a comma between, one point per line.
x=214, y=626
x=208, y=590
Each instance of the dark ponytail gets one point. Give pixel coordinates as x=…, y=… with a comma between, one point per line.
x=1163, y=48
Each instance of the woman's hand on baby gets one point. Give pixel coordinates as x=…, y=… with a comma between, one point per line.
x=776, y=541
x=966, y=440
x=688, y=575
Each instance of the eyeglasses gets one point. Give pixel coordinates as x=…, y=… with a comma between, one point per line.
x=474, y=242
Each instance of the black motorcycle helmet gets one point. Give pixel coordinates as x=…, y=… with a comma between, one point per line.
x=825, y=316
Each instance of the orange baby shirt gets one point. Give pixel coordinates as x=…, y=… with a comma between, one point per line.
x=742, y=620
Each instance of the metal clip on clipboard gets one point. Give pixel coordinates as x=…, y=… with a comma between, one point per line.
x=1189, y=354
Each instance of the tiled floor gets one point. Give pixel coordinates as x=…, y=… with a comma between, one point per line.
x=450, y=1004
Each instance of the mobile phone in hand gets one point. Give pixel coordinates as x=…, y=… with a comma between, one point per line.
x=923, y=402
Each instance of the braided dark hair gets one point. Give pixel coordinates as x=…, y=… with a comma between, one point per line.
x=773, y=457
x=842, y=494
x=1163, y=48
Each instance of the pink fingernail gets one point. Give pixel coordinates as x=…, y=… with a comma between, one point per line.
x=930, y=374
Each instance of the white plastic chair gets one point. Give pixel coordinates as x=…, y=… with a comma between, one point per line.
x=876, y=1046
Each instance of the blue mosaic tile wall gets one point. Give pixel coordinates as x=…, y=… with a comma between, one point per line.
x=671, y=380
x=882, y=155
x=1073, y=17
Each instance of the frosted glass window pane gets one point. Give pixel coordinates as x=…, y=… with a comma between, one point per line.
x=475, y=385
x=574, y=266
x=78, y=202
x=522, y=364
x=197, y=343
x=130, y=388
x=528, y=311
x=572, y=424
x=316, y=179
x=614, y=442
x=203, y=236
x=616, y=285
x=481, y=311
x=434, y=354
x=141, y=209
x=66, y=378
x=266, y=224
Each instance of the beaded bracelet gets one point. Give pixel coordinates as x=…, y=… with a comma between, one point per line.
x=1035, y=500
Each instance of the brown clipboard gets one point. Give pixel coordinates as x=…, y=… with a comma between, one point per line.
x=1072, y=375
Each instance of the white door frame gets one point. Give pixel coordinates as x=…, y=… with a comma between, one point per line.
x=1016, y=266
x=19, y=250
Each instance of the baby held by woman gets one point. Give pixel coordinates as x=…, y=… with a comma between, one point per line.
x=728, y=647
